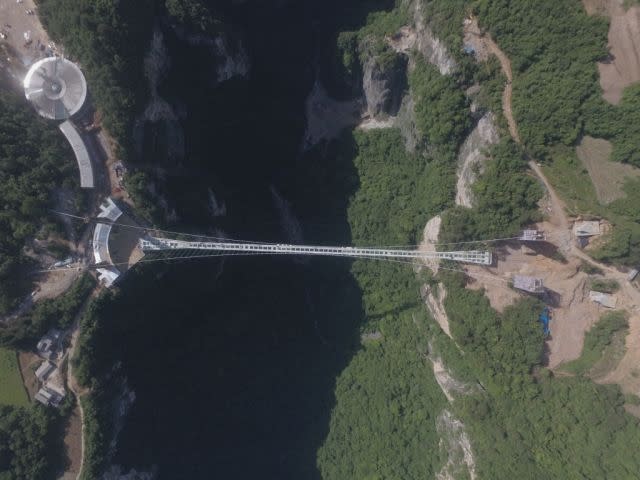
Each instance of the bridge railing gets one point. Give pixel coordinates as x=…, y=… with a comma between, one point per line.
x=468, y=256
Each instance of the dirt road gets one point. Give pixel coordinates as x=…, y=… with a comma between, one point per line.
x=486, y=43
x=558, y=233
x=72, y=383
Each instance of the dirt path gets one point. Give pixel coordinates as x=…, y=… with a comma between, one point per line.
x=487, y=43
x=78, y=391
x=626, y=373
x=72, y=382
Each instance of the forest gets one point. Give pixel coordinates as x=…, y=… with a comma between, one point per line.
x=31, y=445
x=524, y=423
x=35, y=162
x=553, y=47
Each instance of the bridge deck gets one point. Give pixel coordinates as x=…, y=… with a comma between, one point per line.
x=158, y=244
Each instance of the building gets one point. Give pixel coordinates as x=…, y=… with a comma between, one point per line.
x=586, y=228
x=604, y=299
x=48, y=396
x=632, y=274
x=80, y=152
x=108, y=275
x=101, y=243
x=531, y=236
x=55, y=87
x=528, y=284
x=50, y=344
x=44, y=370
x=109, y=210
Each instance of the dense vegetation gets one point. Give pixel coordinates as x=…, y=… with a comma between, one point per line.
x=505, y=199
x=553, y=46
x=34, y=162
x=97, y=423
x=388, y=380
x=442, y=114
x=30, y=442
x=619, y=123
x=557, y=98
x=597, y=340
x=527, y=423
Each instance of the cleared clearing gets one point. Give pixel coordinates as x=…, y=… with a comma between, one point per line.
x=608, y=177
x=11, y=389
x=622, y=68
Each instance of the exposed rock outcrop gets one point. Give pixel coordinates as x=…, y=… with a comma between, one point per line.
x=455, y=444
x=434, y=301
x=472, y=157
x=384, y=83
x=419, y=37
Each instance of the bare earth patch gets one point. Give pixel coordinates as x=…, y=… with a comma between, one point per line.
x=608, y=177
x=429, y=240
x=627, y=372
x=15, y=23
x=623, y=68
x=54, y=283
x=73, y=444
x=573, y=312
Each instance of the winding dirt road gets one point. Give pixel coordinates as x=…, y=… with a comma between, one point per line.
x=628, y=296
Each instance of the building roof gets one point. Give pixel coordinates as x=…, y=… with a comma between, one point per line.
x=586, y=228
x=44, y=396
x=109, y=210
x=56, y=87
x=47, y=397
x=604, y=299
x=108, y=275
x=81, y=153
x=531, y=235
x=49, y=340
x=44, y=370
x=529, y=284
x=101, y=243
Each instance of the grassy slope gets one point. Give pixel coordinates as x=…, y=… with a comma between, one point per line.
x=12, y=391
x=598, y=342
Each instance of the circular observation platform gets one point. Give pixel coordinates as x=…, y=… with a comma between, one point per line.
x=56, y=87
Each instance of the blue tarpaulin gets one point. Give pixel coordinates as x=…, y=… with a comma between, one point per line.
x=544, y=318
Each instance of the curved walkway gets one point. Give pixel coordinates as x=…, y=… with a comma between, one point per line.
x=81, y=153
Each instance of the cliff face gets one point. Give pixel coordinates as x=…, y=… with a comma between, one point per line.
x=472, y=157
x=384, y=83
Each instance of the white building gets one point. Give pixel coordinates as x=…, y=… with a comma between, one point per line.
x=604, y=299
x=44, y=370
x=109, y=210
x=586, y=228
